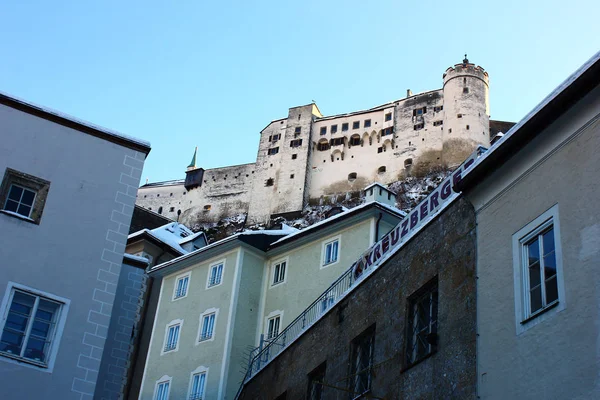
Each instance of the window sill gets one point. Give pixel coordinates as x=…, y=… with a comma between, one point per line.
x=277, y=283
x=19, y=216
x=24, y=360
x=542, y=311
x=419, y=361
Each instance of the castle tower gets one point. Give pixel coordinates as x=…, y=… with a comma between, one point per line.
x=466, y=111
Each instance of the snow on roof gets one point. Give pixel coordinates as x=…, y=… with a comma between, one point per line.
x=378, y=184
x=559, y=89
x=78, y=121
x=136, y=258
x=340, y=215
x=173, y=234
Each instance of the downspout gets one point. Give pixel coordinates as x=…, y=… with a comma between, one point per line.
x=377, y=227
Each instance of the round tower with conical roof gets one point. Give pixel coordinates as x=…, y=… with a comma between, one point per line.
x=466, y=111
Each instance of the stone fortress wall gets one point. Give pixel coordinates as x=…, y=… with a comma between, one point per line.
x=307, y=156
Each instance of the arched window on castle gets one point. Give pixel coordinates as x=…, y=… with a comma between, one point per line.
x=354, y=140
x=269, y=182
x=160, y=210
x=408, y=163
x=381, y=169
x=323, y=145
x=351, y=176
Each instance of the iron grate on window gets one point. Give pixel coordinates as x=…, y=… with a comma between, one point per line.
x=422, y=323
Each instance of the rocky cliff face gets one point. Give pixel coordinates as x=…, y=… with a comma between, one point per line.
x=409, y=192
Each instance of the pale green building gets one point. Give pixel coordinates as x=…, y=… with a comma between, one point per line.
x=217, y=303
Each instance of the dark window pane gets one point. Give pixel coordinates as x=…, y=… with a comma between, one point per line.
x=550, y=265
x=35, y=349
x=533, y=251
x=536, y=299
x=548, y=240
x=534, y=275
x=11, y=342
x=551, y=290
x=15, y=193
x=22, y=303
x=28, y=197
x=16, y=322
x=40, y=329
x=24, y=210
x=11, y=206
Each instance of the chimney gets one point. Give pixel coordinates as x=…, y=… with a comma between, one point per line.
x=408, y=92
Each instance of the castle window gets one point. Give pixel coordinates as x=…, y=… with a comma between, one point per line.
x=381, y=169
x=438, y=123
x=269, y=182
x=344, y=126
x=158, y=195
x=351, y=176
x=171, y=195
x=458, y=115
x=160, y=210
x=355, y=140
x=466, y=90
x=337, y=141
x=296, y=143
x=464, y=80
x=145, y=195
x=275, y=138
x=367, y=123
x=294, y=156
x=387, y=131
x=323, y=130
x=297, y=130
x=380, y=149
x=207, y=207
x=172, y=209
x=291, y=176
x=419, y=126
x=450, y=130
x=273, y=151
x=323, y=145
x=388, y=117
x=468, y=127
x=420, y=111
x=333, y=128
x=356, y=125
x=438, y=108
x=407, y=162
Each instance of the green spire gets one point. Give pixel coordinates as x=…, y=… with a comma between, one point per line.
x=193, y=163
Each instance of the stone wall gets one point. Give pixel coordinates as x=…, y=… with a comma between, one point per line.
x=446, y=249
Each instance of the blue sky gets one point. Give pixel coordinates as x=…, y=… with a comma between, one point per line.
x=213, y=74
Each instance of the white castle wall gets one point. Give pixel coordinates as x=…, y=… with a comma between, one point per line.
x=454, y=121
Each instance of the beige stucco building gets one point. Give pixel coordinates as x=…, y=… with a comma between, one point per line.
x=307, y=157
x=219, y=302
x=538, y=249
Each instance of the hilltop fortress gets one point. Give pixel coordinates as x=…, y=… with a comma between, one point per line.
x=307, y=157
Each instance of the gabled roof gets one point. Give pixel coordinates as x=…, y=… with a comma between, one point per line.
x=576, y=86
x=74, y=123
x=173, y=235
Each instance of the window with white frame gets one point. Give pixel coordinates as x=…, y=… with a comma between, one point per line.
x=197, y=386
x=162, y=389
x=208, y=326
x=273, y=327
x=31, y=325
x=216, y=274
x=538, y=264
x=181, y=286
x=279, y=272
x=172, y=336
x=331, y=251
x=23, y=195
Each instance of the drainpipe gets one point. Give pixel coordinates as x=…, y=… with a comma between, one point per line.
x=377, y=227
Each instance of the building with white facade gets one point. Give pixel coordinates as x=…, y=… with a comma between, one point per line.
x=538, y=249
x=66, y=199
x=307, y=157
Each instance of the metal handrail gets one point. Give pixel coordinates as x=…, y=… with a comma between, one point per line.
x=309, y=316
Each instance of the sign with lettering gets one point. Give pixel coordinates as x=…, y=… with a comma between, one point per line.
x=424, y=212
